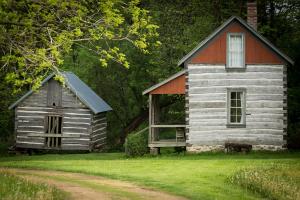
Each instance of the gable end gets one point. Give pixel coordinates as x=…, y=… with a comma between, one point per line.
x=212, y=50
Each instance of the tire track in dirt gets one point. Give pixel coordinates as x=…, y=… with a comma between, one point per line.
x=88, y=187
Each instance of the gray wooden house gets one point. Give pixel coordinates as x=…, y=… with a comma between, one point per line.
x=70, y=117
x=235, y=88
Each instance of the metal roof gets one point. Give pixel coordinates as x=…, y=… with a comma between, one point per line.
x=80, y=89
x=164, y=82
x=225, y=24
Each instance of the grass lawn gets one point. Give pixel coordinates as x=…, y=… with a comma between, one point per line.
x=202, y=176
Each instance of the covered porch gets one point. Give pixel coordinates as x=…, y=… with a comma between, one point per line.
x=174, y=85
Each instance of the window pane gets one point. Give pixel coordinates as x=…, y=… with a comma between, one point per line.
x=235, y=51
x=232, y=119
x=233, y=111
x=238, y=103
x=233, y=95
x=239, y=119
x=233, y=103
x=239, y=111
x=238, y=95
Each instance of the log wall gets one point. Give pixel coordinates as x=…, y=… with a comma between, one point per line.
x=207, y=105
x=98, y=135
x=78, y=122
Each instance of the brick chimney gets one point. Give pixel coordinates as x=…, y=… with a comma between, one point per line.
x=252, y=14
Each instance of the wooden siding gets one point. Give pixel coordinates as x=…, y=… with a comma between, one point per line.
x=70, y=100
x=30, y=121
x=256, y=51
x=54, y=93
x=39, y=98
x=175, y=86
x=98, y=135
x=207, y=113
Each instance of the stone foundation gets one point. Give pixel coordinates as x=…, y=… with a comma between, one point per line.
x=204, y=148
x=214, y=148
x=267, y=148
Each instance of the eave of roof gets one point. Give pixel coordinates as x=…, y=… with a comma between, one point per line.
x=174, y=76
x=80, y=89
x=225, y=24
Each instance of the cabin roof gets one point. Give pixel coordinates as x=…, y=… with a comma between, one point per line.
x=80, y=89
x=224, y=25
x=164, y=82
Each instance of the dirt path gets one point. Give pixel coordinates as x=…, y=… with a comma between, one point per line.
x=86, y=187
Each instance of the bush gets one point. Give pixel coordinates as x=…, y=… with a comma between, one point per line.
x=136, y=144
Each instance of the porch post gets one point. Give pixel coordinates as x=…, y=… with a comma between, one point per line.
x=155, y=116
x=150, y=119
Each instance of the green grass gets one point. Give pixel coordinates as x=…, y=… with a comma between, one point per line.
x=203, y=176
x=16, y=188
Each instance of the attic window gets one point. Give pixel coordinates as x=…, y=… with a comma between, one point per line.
x=235, y=50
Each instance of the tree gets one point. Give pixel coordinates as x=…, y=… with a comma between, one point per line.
x=36, y=35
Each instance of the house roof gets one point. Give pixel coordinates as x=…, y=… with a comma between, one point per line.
x=225, y=24
x=80, y=89
x=164, y=82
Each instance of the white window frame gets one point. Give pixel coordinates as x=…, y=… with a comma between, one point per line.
x=242, y=124
x=227, y=50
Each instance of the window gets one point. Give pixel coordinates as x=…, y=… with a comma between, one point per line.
x=236, y=107
x=53, y=130
x=235, y=50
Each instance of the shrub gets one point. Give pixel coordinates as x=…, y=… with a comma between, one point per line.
x=136, y=144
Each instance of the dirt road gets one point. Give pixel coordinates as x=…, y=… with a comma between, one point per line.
x=86, y=187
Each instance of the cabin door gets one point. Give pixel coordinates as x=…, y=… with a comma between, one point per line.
x=53, y=130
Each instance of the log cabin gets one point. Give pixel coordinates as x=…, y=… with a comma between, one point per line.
x=235, y=87
x=61, y=117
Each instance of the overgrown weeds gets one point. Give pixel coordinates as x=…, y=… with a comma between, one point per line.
x=278, y=182
x=17, y=188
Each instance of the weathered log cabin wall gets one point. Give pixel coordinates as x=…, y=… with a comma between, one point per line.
x=207, y=100
x=98, y=135
x=78, y=121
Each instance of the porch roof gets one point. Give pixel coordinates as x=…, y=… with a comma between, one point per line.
x=175, y=84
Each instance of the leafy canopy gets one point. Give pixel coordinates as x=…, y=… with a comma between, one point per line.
x=36, y=35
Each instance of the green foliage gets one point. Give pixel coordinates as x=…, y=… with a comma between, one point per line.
x=6, y=116
x=273, y=182
x=15, y=188
x=35, y=36
x=136, y=144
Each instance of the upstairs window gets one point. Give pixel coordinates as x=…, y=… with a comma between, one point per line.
x=236, y=107
x=235, y=50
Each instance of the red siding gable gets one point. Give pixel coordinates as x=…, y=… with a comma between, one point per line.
x=175, y=86
x=256, y=51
